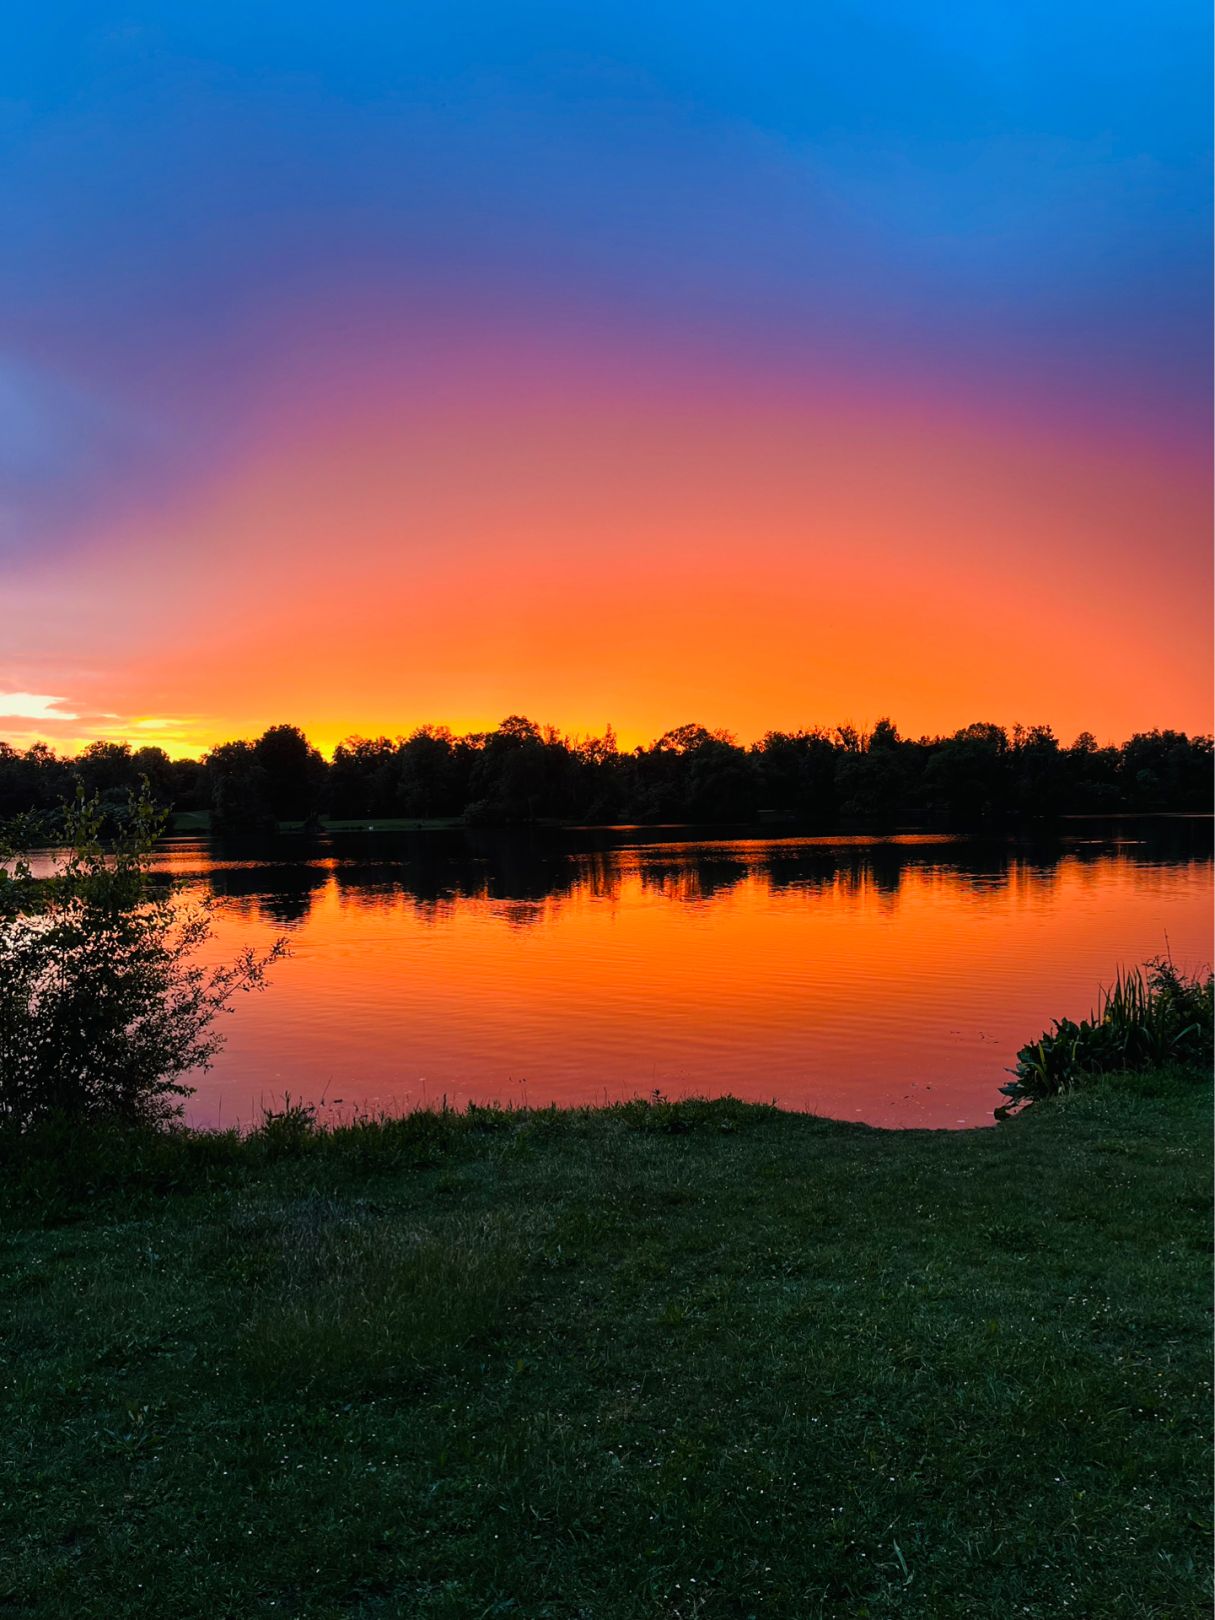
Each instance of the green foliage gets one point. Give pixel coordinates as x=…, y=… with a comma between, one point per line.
x=103, y=1005
x=1149, y=1016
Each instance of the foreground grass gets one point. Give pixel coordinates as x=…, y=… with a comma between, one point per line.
x=675, y=1360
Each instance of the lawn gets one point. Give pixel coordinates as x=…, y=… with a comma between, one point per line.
x=695, y=1360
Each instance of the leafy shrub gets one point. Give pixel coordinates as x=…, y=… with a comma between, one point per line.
x=1150, y=1015
x=103, y=1006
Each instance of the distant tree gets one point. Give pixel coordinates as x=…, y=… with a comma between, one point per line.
x=107, y=771
x=686, y=739
x=521, y=771
x=884, y=737
x=112, y=772
x=870, y=787
x=188, y=785
x=516, y=731
x=1092, y=776
x=599, y=751
x=363, y=777
x=34, y=780
x=294, y=772
x=14, y=794
x=968, y=778
x=692, y=773
x=239, y=789
x=433, y=773
x=153, y=766
x=797, y=774
x=1039, y=772
x=596, y=780
x=1164, y=770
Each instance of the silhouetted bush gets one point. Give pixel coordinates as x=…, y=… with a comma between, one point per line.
x=103, y=1007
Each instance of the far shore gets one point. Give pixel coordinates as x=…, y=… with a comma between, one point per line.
x=182, y=822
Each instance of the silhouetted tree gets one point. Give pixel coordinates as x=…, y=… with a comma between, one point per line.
x=434, y=772
x=1038, y=772
x=187, y=785
x=294, y=772
x=363, y=778
x=521, y=771
x=107, y=770
x=1166, y=770
x=797, y=774
x=968, y=777
x=239, y=789
x=34, y=780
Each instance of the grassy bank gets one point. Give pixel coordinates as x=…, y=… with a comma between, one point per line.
x=199, y=821
x=694, y=1360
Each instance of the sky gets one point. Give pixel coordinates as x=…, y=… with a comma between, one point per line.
x=757, y=364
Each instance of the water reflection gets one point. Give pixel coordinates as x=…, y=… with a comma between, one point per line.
x=430, y=871
x=886, y=980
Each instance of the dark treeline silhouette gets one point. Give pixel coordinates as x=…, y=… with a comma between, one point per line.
x=521, y=772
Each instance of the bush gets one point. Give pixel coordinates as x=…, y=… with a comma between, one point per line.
x=103, y=1007
x=1151, y=1015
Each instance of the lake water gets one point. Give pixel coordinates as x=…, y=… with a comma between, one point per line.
x=885, y=980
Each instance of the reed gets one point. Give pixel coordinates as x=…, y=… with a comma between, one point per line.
x=1150, y=1015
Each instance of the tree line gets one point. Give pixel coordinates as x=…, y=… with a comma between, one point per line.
x=521, y=772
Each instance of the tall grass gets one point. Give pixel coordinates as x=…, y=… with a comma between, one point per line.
x=1150, y=1015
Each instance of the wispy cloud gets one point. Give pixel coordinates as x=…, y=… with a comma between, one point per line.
x=28, y=717
x=33, y=706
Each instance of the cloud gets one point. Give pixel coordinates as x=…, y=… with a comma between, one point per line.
x=38, y=717
x=33, y=706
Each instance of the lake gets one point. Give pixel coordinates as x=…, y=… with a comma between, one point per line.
x=889, y=980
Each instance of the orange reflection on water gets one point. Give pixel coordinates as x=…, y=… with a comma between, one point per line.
x=862, y=981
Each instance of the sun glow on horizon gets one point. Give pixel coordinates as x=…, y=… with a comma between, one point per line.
x=639, y=376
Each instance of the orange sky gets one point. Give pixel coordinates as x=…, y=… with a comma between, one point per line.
x=591, y=537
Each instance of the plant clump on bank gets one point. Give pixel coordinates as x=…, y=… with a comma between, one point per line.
x=1150, y=1015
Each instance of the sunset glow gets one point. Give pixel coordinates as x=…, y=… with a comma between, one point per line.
x=817, y=367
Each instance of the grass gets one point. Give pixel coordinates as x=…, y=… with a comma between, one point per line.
x=198, y=821
x=679, y=1360
x=188, y=821
x=381, y=823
